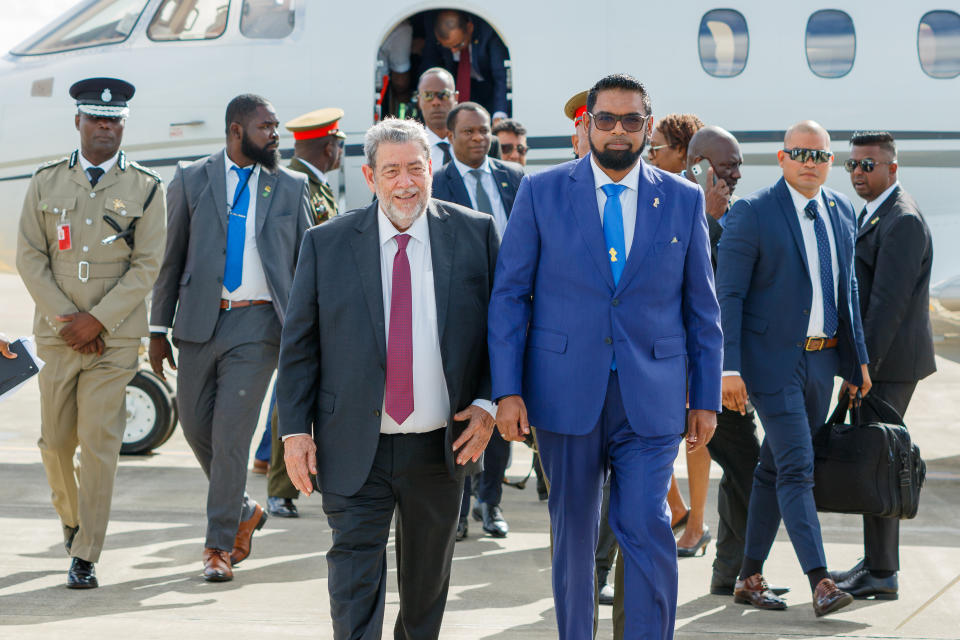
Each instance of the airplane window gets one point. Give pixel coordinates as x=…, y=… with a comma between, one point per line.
x=90, y=24
x=267, y=18
x=189, y=20
x=938, y=44
x=724, y=42
x=831, y=43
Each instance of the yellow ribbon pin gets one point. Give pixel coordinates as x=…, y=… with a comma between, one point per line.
x=613, y=254
x=656, y=202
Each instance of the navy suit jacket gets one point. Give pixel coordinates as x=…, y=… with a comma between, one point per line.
x=487, y=57
x=556, y=319
x=448, y=184
x=764, y=288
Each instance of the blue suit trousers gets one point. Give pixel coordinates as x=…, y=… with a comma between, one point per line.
x=783, y=480
x=640, y=469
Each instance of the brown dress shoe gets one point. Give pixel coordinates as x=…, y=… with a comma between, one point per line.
x=261, y=467
x=216, y=565
x=243, y=541
x=827, y=598
x=754, y=590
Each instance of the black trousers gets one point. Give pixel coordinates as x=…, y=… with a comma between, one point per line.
x=881, y=536
x=409, y=476
x=735, y=448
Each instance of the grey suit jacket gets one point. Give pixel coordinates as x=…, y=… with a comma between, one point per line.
x=187, y=292
x=332, y=372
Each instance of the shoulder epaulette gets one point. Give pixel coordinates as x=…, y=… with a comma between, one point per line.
x=51, y=163
x=142, y=169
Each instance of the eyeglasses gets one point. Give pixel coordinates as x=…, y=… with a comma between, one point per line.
x=632, y=122
x=820, y=156
x=652, y=150
x=507, y=149
x=867, y=164
x=427, y=96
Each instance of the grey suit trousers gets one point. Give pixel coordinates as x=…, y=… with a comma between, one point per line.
x=220, y=388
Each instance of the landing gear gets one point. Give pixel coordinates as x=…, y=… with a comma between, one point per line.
x=151, y=413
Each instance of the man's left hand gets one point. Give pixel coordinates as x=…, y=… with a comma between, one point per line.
x=80, y=330
x=701, y=423
x=475, y=437
x=850, y=390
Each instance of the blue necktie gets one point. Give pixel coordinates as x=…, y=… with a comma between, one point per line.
x=613, y=236
x=830, y=317
x=237, y=230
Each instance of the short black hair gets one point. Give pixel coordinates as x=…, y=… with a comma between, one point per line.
x=464, y=106
x=882, y=139
x=445, y=23
x=510, y=125
x=621, y=81
x=242, y=106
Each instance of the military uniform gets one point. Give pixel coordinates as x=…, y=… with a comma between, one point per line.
x=322, y=200
x=67, y=268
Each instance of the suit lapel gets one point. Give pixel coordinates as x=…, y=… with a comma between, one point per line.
x=457, y=188
x=790, y=214
x=583, y=200
x=442, y=241
x=507, y=192
x=881, y=211
x=649, y=217
x=217, y=183
x=265, y=196
x=366, y=253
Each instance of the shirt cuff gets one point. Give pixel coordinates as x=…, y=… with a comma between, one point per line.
x=158, y=329
x=486, y=405
x=730, y=373
x=290, y=435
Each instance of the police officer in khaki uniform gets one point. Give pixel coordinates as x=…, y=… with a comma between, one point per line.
x=317, y=150
x=90, y=242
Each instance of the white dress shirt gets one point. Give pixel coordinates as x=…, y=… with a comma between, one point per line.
x=490, y=185
x=628, y=198
x=874, y=204
x=815, y=324
x=320, y=175
x=436, y=153
x=253, y=284
x=106, y=166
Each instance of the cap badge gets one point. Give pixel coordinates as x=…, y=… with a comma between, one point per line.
x=106, y=96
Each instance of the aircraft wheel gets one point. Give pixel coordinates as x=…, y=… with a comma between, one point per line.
x=151, y=413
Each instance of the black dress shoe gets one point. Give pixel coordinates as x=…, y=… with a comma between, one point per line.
x=81, y=575
x=606, y=595
x=725, y=588
x=493, y=522
x=863, y=584
x=282, y=507
x=462, y=529
x=843, y=576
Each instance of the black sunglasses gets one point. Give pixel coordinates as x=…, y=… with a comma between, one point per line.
x=427, y=96
x=632, y=122
x=867, y=164
x=819, y=156
x=507, y=149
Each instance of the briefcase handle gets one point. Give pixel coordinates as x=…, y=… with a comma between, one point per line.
x=880, y=407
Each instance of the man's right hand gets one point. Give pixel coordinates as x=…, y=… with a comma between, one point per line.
x=716, y=197
x=159, y=351
x=734, y=394
x=300, y=457
x=512, y=418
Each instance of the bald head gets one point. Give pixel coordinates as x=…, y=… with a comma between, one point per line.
x=722, y=150
x=805, y=129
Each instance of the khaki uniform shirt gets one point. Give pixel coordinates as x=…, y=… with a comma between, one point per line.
x=110, y=281
x=322, y=200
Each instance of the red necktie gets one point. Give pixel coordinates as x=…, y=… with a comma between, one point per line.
x=463, y=74
x=399, y=401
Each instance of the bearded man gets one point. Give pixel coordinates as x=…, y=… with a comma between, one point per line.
x=234, y=224
x=384, y=382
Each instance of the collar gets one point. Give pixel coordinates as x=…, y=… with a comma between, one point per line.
x=320, y=175
x=875, y=204
x=630, y=181
x=106, y=166
x=800, y=201
x=418, y=230
x=229, y=164
x=433, y=138
x=465, y=169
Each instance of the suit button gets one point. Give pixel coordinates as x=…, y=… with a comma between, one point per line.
x=615, y=302
x=799, y=345
x=376, y=413
x=608, y=340
x=806, y=312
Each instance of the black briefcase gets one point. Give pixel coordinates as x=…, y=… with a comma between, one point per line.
x=871, y=469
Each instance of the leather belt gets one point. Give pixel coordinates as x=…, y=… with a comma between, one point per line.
x=819, y=344
x=84, y=270
x=239, y=304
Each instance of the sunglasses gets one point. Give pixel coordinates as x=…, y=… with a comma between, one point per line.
x=819, y=156
x=427, y=96
x=632, y=122
x=652, y=149
x=867, y=164
x=507, y=149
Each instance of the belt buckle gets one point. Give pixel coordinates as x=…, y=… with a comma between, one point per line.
x=83, y=270
x=819, y=341
x=229, y=305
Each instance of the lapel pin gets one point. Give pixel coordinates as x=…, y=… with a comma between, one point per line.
x=266, y=191
x=504, y=185
x=656, y=202
x=613, y=254
x=832, y=203
x=674, y=241
x=875, y=220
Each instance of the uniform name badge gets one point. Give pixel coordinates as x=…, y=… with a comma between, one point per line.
x=63, y=236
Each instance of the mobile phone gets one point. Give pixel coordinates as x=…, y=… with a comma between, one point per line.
x=700, y=173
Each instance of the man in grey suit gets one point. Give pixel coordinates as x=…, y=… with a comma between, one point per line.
x=235, y=221
x=384, y=383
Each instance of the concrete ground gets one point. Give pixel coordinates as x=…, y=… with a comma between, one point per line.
x=150, y=569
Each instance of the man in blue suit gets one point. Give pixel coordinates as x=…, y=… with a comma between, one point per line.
x=791, y=322
x=602, y=318
x=476, y=181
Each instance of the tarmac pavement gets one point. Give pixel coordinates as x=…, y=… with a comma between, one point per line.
x=500, y=589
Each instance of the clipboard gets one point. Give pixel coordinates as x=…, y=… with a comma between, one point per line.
x=16, y=371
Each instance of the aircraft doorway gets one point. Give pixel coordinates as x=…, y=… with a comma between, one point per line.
x=413, y=46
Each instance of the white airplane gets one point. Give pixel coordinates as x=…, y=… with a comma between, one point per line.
x=752, y=67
